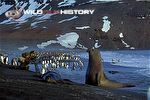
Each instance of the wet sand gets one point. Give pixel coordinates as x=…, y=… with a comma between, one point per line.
x=24, y=85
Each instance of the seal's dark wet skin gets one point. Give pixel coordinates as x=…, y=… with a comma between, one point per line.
x=95, y=73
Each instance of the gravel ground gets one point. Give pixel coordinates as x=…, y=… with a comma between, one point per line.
x=23, y=85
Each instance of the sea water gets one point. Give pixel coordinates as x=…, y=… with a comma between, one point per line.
x=131, y=66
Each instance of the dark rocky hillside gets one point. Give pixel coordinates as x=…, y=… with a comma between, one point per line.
x=129, y=26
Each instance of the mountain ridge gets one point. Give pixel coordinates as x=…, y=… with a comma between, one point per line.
x=129, y=18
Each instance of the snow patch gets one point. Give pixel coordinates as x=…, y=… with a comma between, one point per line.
x=81, y=46
x=96, y=45
x=69, y=19
x=44, y=6
x=132, y=48
x=122, y=22
x=66, y=3
x=121, y=35
x=45, y=44
x=105, y=17
x=6, y=21
x=121, y=2
x=107, y=0
x=33, y=5
x=44, y=17
x=106, y=24
x=22, y=48
x=44, y=1
x=34, y=24
x=16, y=1
x=11, y=21
x=68, y=40
x=4, y=8
x=83, y=27
x=90, y=1
x=17, y=27
x=44, y=27
x=126, y=45
x=141, y=17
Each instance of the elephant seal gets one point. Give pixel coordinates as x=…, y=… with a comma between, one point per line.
x=55, y=78
x=95, y=74
x=52, y=77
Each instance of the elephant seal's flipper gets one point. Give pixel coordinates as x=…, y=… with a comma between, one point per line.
x=95, y=74
x=112, y=84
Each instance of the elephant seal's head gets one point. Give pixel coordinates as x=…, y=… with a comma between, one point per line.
x=94, y=54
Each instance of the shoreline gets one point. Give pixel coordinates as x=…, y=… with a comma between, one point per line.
x=21, y=84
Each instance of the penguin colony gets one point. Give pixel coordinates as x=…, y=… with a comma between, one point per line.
x=53, y=60
x=3, y=59
x=49, y=61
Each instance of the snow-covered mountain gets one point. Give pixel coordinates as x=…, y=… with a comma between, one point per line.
x=115, y=24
